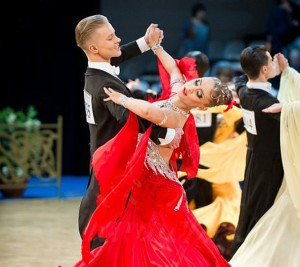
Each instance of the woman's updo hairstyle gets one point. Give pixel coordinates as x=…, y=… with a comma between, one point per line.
x=220, y=95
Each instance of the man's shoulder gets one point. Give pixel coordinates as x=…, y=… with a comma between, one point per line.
x=95, y=72
x=255, y=99
x=94, y=84
x=101, y=77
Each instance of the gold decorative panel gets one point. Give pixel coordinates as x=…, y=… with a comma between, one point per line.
x=31, y=152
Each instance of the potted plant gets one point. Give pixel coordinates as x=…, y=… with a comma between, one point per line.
x=17, y=142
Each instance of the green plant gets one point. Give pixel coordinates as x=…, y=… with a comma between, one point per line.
x=29, y=119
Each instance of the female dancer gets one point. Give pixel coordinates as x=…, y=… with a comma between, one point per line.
x=143, y=212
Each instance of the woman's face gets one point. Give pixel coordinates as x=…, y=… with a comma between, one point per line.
x=106, y=43
x=196, y=92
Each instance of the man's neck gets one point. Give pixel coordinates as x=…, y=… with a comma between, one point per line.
x=98, y=59
x=258, y=80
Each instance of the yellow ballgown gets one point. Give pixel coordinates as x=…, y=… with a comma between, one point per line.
x=225, y=159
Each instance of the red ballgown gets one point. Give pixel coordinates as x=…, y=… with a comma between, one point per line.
x=142, y=210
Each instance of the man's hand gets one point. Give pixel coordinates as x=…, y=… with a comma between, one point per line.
x=176, y=140
x=153, y=35
x=282, y=61
x=275, y=108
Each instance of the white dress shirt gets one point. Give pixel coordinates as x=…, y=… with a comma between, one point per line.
x=260, y=85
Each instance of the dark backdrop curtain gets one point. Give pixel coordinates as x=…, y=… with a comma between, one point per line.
x=42, y=66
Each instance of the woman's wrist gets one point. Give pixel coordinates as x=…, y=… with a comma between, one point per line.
x=123, y=101
x=155, y=47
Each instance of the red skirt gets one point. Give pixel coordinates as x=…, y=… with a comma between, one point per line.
x=157, y=229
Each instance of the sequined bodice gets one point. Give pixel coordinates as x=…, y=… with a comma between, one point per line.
x=169, y=104
x=153, y=158
x=155, y=162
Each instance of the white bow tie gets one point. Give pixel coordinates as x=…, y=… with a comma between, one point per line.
x=116, y=70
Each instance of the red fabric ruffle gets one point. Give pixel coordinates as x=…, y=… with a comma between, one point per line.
x=116, y=164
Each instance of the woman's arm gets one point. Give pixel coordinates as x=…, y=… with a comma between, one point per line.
x=149, y=111
x=176, y=78
x=275, y=108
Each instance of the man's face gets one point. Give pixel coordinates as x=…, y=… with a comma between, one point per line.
x=106, y=42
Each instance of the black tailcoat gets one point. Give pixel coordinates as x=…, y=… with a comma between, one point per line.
x=264, y=170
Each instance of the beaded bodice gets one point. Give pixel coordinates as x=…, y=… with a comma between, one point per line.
x=155, y=162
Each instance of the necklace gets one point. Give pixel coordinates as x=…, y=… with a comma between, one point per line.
x=170, y=105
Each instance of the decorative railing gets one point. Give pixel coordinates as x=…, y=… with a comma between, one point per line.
x=27, y=152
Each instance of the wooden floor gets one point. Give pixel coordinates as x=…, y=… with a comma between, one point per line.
x=39, y=232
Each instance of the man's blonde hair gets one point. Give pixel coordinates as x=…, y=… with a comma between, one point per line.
x=86, y=27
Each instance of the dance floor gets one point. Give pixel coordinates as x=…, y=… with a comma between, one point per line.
x=71, y=187
x=40, y=229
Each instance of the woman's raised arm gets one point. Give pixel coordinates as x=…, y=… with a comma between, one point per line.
x=176, y=77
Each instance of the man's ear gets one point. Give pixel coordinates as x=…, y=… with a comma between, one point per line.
x=93, y=48
x=264, y=69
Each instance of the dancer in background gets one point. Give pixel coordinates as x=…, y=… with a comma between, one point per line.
x=275, y=239
x=263, y=171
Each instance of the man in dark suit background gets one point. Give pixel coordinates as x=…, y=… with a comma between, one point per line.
x=97, y=38
x=264, y=170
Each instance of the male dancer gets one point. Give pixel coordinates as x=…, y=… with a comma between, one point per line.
x=264, y=170
x=97, y=38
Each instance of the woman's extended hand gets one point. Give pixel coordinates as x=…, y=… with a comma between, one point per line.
x=113, y=95
x=275, y=108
